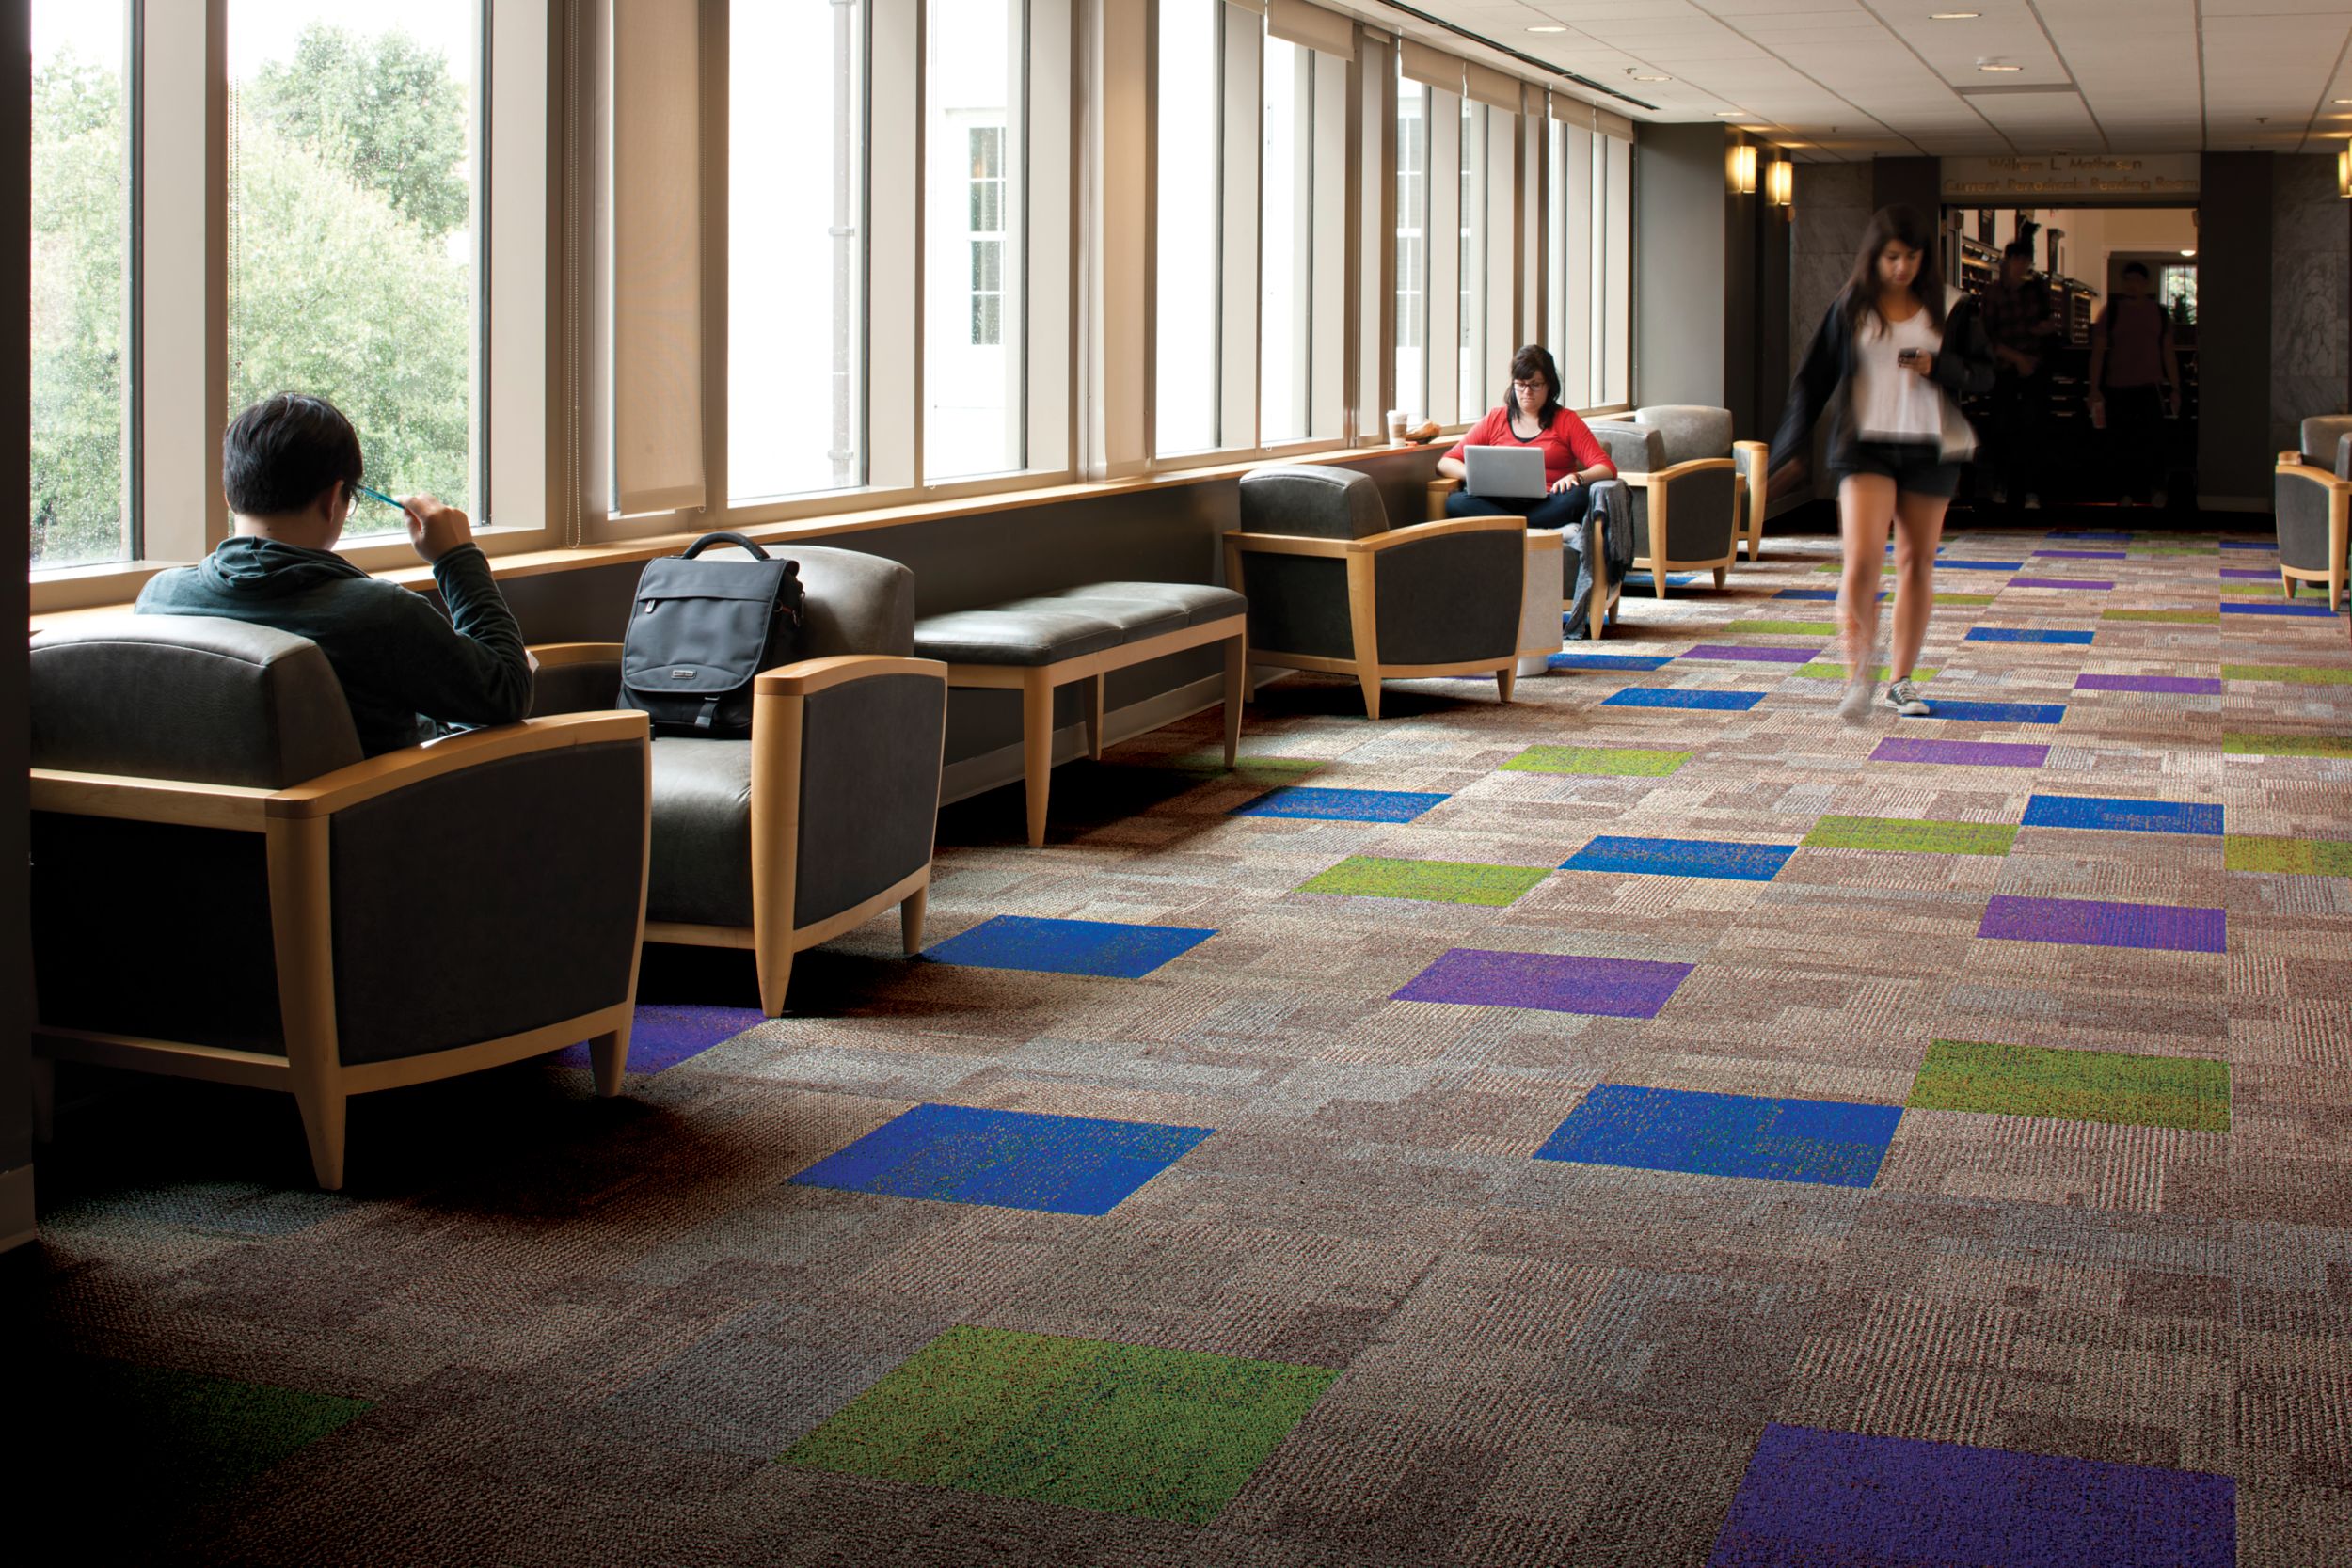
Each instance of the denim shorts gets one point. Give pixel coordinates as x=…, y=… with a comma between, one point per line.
x=1915, y=466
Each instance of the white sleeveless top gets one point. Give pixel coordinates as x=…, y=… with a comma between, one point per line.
x=1892, y=404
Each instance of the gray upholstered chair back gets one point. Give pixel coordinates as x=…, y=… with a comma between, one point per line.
x=2343, y=455
x=1691, y=430
x=1321, y=502
x=2322, y=434
x=857, y=603
x=1634, y=448
x=187, y=697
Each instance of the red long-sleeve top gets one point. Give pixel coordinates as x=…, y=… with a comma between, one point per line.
x=1568, y=444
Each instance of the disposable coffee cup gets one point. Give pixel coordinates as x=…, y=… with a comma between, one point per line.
x=1397, y=426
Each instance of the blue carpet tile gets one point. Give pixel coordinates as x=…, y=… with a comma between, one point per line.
x=2026, y=634
x=2313, y=610
x=1834, y=1142
x=1341, y=805
x=1068, y=946
x=662, y=1036
x=2131, y=816
x=1608, y=662
x=1682, y=857
x=1656, y=696
x=1979, y=566
x=1008, y=1158
x=1997, y=713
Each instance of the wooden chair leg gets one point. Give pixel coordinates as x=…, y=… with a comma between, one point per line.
x=1721, y=573
x=1236, y=694
x=1094, y=719
x=1037, y=750
x=1370, y=681
x=1657, y=580
x=44, y=1099
x=775, y=979
x=911, y=910
x=1506, y=677
x=609, y=1055
x=322, y=1107
x=2286, y=585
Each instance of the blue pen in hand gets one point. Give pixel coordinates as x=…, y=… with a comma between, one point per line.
x=378, y=495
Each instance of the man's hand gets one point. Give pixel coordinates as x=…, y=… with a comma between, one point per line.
x=1565, y=482
x=435, y=529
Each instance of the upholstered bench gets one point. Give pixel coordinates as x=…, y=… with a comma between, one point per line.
x=1034, y=645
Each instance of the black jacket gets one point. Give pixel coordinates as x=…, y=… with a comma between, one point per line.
x=1822, y=384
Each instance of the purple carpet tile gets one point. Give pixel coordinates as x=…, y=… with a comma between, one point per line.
x=2056, y=583
x=1555, y=982
x=2080, y=555
x=1843, y=1500
x=2097, y=923
x=1966, y=753
x=664, y=1037
x=2256, y=573
x=1754, y=655
x=2179, y=686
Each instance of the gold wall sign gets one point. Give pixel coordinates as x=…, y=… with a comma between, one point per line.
x=2064, y=180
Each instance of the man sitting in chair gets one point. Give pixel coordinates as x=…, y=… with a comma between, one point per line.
x=290, y=468
x=1532, y=417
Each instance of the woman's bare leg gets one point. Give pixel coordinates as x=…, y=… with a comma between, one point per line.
x=1865, y=508
x=1919, y=525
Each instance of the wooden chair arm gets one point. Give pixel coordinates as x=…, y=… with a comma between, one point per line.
x=815, y=675
x=1288, y=544
x=1421, y=533
x=174, y=802
x=2316, y=475
x=364, y=781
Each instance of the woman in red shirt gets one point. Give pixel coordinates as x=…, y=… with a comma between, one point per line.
x=1531, y=415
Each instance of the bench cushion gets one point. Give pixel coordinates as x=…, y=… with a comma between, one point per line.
x=1029, y=635
x=1135, y=618
x=1201, y=602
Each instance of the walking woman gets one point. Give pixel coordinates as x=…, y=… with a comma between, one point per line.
x=1887, y=366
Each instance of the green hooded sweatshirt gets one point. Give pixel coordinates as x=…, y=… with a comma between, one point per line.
x=401, y=663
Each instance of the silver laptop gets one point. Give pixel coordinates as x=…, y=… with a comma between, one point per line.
x=1512, y=473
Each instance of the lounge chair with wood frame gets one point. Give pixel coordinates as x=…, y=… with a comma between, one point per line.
x=1332, y=588
x=825, y=815
x=1686, y=515
x=224, y=889
x=1601, y=609
x=2314, y=508
x=1695, y=431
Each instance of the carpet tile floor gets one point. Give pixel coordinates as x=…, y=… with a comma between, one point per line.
x=1970, y=1185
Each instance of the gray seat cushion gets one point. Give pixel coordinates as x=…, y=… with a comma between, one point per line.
x=1037, y=636
x=701, y=832
x=1306, y=498
x=1632, y=448
x=1201, y=602
x=1690, y=429
x=1135, y=618
x=2322, y=433
x=191, y=697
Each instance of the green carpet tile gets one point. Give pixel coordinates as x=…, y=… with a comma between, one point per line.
x=2073, y=1085
x=1121, y=1429
x=2293, y=675
x=1914, y=837
x=1211, y=759
x=1599, y=762
x=1785, y=628
x=2208, y=550
x=2267, y=590
x=1979, y=600
x=2175, y=617
x=1826, y=670
x=1432, y=881
x=2286, y=746
x=2298, y=857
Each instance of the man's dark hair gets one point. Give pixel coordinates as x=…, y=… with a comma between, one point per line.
x=279, y=453
x=2136, y=269
x=2018, y=248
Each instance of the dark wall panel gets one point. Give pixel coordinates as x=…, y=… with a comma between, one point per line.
x=2234, y=248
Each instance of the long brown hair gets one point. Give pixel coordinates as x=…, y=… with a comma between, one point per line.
x=1891, y=226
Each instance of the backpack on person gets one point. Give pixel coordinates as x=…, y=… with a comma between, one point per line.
x=698, y=632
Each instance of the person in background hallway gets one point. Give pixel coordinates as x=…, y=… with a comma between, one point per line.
x=1887, y=367
x=2021, y=321
x=2135, y=374
x=289, y=465
x=1532, y=415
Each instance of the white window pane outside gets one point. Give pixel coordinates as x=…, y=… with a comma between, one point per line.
x=796, y=249
x=81, y=198
x=352, y=230
x=1572, y=262
x=1186, y=266
x=1473, y=398
x=1287, y=233
x=1618, y=272
x=974, y=241
x=1412, y=254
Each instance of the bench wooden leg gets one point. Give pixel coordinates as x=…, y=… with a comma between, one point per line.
x=1094, y=717
x=1036, y=748
x=1236, y=693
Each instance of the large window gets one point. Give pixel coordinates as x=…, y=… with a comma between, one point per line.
x=1412, y=247
x=81, y=202
x=974, y=234
x=1589, y=298
x=351, y=229
x=1187, y=264
x=1287, y=233
x=1612, y=214
x=796, y=248
x=1476, y=220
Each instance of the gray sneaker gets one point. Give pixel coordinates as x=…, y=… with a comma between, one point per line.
x=1905, y=698
x=1854, y=709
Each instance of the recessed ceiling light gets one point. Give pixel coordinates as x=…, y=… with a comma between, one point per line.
x=1549, y=28
x=1996, y=66
x=2344, y=99
x=1954, y=16
x=1653, y=78
x=1731, y=113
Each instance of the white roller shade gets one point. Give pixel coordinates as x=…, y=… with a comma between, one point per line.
x=1311, y=28
x=1431, y=67
x=1495, y=89
x=1531, y=101
x=1256, y=7
x=1612, y=125
x=657, y=256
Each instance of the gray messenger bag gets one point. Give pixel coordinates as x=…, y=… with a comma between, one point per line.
x=700, y=630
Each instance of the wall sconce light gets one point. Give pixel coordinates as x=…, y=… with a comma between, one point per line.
x=2343, y=172
x=1743, y=170
x=1780, y=182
